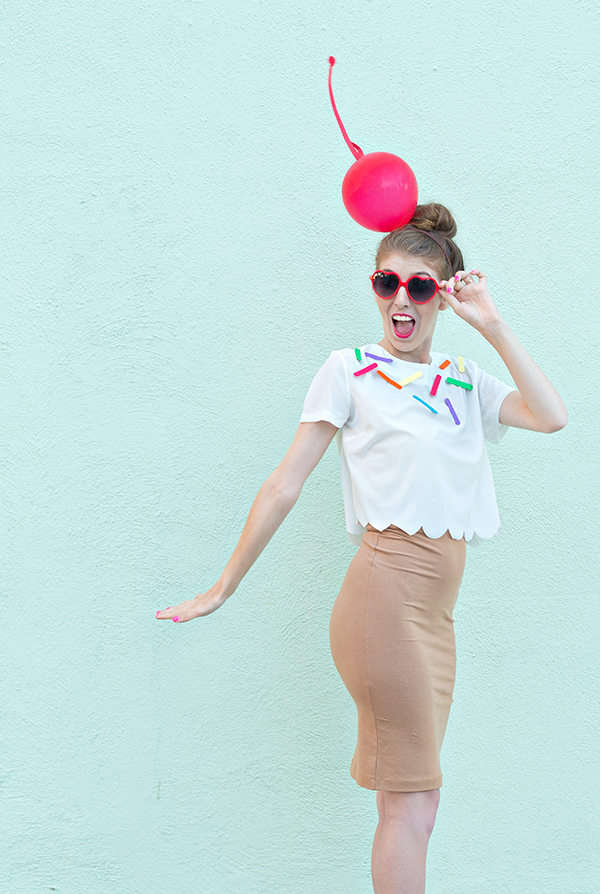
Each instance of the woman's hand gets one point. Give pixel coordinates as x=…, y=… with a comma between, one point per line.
x=471, y=300
x=202, y=604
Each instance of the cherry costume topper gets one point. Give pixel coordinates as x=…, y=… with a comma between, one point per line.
x=379, y=190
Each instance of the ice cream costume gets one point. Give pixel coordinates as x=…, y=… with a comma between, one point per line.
x=417, y=487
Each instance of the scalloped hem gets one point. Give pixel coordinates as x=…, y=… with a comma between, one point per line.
x=472, y=538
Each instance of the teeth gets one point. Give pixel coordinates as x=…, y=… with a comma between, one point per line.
x=402, y=317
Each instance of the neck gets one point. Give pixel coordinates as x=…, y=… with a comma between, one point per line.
x=421, y=355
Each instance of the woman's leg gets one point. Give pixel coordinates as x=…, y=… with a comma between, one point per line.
x=381, y=811
x=401, y=840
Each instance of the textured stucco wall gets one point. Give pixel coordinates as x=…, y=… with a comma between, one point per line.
x=172, y=231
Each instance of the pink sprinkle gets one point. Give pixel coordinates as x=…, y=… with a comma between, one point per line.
x=434, y=389
x=366, y=369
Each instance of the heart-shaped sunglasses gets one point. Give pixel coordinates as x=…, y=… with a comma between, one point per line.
x=421, y=289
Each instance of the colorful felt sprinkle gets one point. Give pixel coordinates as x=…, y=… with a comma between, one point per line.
x=434, y=389
x=410, y=378
x=365, y=369
x=375, y=357
x=444, y=364
x=358, y=357
x=383, y=376
x=424, y=404
x=461, y=364
x=451, y=408
x=450, y=381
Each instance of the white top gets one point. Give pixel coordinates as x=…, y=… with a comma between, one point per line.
x=401, y=463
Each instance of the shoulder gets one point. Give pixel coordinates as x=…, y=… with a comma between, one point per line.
x=489, y=390
x=459, y=367
x=350, y=355
x=347, y=359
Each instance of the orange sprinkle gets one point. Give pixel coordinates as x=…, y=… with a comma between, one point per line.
x=444, y=364
x=391, y=381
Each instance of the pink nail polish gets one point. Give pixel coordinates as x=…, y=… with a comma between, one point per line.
x=457, y=276
x=176, y=618
x=472, y=271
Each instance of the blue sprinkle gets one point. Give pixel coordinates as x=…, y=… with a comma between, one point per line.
x=423, y=402
x=375, y=357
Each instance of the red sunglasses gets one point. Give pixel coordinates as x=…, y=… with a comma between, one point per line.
x=421, y=289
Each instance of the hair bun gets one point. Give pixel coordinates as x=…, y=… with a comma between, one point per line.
x=434, y=217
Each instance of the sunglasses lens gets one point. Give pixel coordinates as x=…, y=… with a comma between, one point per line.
x=421, y=290
x=385, y=284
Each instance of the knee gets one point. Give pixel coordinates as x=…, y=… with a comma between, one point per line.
x=413, y=810
x=433, y=801
x=428, y=813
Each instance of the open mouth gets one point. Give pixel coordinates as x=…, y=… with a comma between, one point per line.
x=403, y=324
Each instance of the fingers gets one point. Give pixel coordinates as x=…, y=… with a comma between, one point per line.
x=466, y=279
x=452, y=300
x=178, y=613
x=203, y=604
x=174, y=613
x=461, y=279
x=455, y=282
x=454, y=285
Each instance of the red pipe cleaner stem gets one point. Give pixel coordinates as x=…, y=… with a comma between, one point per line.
x=354, y=149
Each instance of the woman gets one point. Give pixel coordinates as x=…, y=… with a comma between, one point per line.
x=417, y=485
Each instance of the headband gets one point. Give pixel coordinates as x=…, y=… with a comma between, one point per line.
x=427, y=233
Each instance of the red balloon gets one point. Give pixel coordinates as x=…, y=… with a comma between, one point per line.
x=380, y=192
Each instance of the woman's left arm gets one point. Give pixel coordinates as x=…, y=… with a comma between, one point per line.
x=537, y=404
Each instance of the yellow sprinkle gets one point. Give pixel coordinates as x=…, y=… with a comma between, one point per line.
x=461, y=364
x=410, y=378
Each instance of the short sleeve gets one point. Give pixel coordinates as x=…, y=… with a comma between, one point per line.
x=328, y=397
x=491, y=393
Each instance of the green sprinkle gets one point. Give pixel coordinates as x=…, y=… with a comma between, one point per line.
x=462, y=384
x=358, y=357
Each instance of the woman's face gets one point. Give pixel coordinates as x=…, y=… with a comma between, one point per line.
x=408, y=327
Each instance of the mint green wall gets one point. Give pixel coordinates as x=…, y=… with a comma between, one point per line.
x=176, y=264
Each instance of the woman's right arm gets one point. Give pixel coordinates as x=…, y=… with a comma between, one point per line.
x=273, y=502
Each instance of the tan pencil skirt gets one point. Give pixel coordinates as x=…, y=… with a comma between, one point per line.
x=392, y=641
